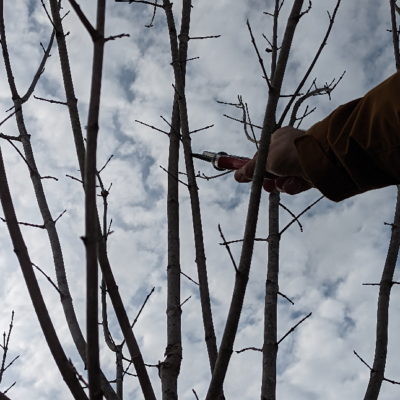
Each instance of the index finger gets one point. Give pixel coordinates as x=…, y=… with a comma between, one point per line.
x=245, y=174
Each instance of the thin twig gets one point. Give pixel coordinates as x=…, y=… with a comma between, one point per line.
x=190, y=279
x=228, y=249
x=186, y=300
x=105, y=165
x=287, y=298
x=4, y=120
x=238, y=120
x=303, y=212
x=49, y=279
x=146, y=2
x=152, y=18
x=121, y=35
x=292, y=329
x=92, y=31
x=50, y=101
x=260, y=60
x=202, y=129
x=174, y=176
x=205, y=37
x=152, y=127
x=248, y=348
x=295, y=218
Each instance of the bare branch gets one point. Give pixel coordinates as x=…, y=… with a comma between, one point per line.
x=307, y=74
x=51, y=101
x=186, y=301
x=227, y=248
x=4, y=120
x=295, y=218
x=303, y=212
x=121, y=35
x=260, y=60
x=92, y=32
x=238, y=120
x=378, y=368
x=248, y=348
x=154, y=15
x=146, y=2
x=287, y=298
x=174, y=176
x=204, y=37
x=190, y=279
x=202, y=129
x=49, y=279
x=292, y=329
x=152, y=127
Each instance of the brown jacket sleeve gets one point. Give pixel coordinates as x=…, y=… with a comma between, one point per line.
x=357, y=147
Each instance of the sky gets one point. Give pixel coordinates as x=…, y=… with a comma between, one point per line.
x=322, y=269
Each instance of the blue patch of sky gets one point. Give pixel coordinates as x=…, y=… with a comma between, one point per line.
x=346, y=327
x=329, y=289
x=126, y=78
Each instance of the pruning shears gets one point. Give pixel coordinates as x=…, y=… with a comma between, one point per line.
x=223, y=161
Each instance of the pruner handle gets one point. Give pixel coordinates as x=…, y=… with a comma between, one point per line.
x=234, y=162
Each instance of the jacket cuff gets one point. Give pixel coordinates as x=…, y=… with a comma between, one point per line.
x=328, y=176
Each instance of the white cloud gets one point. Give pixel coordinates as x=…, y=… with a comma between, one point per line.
x=322, y=269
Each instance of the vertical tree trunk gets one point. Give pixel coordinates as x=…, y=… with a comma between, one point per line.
x=270, y=347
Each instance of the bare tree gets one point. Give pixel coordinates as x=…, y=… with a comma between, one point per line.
x=97, y=229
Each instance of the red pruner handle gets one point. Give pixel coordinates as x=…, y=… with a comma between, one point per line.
x=229, y=162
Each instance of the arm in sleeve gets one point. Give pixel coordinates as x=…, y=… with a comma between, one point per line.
x=357, y=147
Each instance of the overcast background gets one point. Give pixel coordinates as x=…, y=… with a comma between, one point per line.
x=322, y=269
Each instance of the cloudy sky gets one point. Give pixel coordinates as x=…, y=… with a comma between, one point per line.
x=322, y=269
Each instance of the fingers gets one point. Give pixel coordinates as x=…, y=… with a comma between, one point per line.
x=245, y=174
x=290, y=185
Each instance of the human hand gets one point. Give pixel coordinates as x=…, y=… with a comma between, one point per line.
x=282, y=161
